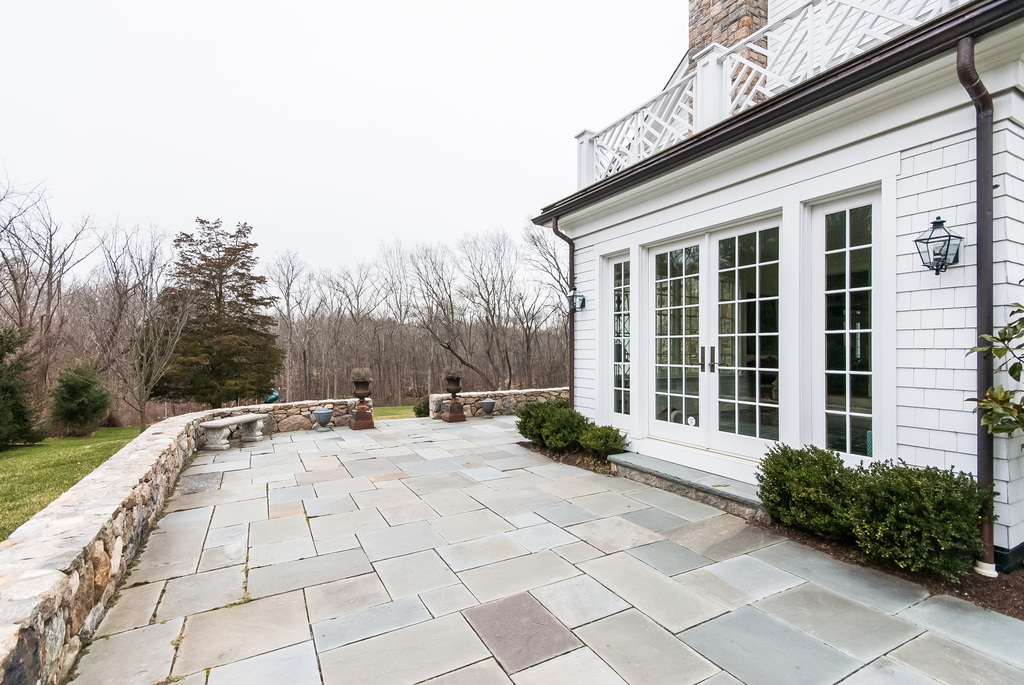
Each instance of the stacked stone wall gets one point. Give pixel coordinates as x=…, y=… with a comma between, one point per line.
x=59, y=570
x=725, y=22
x=505, y=401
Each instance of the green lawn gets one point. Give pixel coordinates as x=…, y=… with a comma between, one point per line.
x=32, y=477
x=393, y=412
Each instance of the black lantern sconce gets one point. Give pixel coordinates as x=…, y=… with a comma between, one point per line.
x=938, y=246
x=576, y=301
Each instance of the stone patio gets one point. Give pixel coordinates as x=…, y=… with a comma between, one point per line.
x=448, y=554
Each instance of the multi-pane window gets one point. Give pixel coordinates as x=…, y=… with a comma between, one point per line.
x=748, y=334
x=677, y=336
x=620, y=338
x=848, y=331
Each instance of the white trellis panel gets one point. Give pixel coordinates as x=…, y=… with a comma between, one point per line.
x=813, y=37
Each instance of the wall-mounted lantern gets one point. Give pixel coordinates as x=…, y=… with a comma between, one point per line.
x=576, y=301
x=938, y=246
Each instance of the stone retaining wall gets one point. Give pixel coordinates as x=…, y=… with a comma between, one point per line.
x=505, y=401
x=59, y=569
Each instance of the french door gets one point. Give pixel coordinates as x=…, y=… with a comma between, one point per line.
x=716, y=338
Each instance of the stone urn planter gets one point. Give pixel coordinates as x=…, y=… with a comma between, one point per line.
x=362, y=418
x=323, y=416
x=488, y=406
x=453, y=413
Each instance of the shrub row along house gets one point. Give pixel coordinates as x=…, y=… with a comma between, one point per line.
x=745, y=241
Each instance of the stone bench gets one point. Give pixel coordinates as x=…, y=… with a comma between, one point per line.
x=217, y=431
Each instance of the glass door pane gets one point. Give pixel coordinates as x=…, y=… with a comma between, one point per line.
x=748, y=334
x=620, y=337
x=678, y=355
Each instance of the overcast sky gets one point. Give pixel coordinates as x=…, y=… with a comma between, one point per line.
x=328, y=126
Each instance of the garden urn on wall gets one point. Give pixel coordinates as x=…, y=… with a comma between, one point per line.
x=362, y=418
x=453, y=412
x=323, y=416
x=488, y=406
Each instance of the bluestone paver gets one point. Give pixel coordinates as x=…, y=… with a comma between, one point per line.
x=516, y=575
x=880, y=590
x=366, y=623
x=668, y=557
x=413, y=574
x=614, y=534
x=463, y=556
x=543, y=536
x=134, y=608
x=448, y=600
x=152, y=650
x=427, y=649
x=201, y=592
x=399, y=540
x=861, y=631
x=885, y=671
x=951, y=662
x=642, y=652
x=294, y=575
x=225, y=635
x=345, y=596
x=1001, y=637
x=674, y=504
x=754, y=577
x=295, y=665
x=722, y=537
x=579, y=600
x=579, y=667
x=566, y=514
x=655, y=519
x=760, y=650
x=470, y=525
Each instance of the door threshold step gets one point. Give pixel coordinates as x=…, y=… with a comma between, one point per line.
x=731, y=496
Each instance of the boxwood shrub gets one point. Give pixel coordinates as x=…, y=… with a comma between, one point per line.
x=809, y=488
x=920, y=519
x=600, y=441
x=558, y=428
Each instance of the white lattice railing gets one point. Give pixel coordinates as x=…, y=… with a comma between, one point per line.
x=814, y=37
x=654, y=126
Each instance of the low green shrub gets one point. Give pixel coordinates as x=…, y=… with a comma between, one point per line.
x=563, y=428
x=809, y=488
x=600, y=441
x=80, y=402
x=422, y=408
x=919, y=519
x=534, y=415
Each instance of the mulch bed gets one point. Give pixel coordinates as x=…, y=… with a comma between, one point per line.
x=1004, y=594
x=580, y=459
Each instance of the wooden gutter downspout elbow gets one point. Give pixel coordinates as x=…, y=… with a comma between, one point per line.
x=572, y=312
x=968, y=75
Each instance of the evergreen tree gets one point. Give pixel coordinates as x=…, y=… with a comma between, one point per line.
x=17, y=419
x=80, y=402
x=227, y=350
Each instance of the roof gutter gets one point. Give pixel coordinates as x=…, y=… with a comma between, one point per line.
x=968, y=75
x=902, y=52
x=572, y=312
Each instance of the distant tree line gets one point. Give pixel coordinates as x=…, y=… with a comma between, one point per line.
x=491, y=307
x=195, y=320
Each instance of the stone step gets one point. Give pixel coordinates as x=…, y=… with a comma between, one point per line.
x=732, y=496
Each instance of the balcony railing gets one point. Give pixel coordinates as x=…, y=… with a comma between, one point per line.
x=814, y=37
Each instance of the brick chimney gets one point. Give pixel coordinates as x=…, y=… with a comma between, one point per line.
x=725, y=22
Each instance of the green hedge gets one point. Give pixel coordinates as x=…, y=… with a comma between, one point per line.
x=422, y=408
x=921, y=519
x=557, y=427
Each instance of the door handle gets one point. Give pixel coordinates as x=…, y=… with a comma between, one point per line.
x=712, y=365
x=702, y=360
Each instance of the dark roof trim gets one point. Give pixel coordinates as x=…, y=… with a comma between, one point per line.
x=902, y=52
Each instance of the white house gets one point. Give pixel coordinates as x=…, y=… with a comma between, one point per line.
x=745, y=240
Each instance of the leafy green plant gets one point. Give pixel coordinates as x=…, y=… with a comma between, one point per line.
x=563, y=428
x=600, y=441
x=533, y=416
x=921, y=519
x=1003, y=410
x=422, y=408
x=80, y=402
x=809, y=488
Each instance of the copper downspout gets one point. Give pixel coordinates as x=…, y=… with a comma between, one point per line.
x=572, y=312
x=968, y=75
